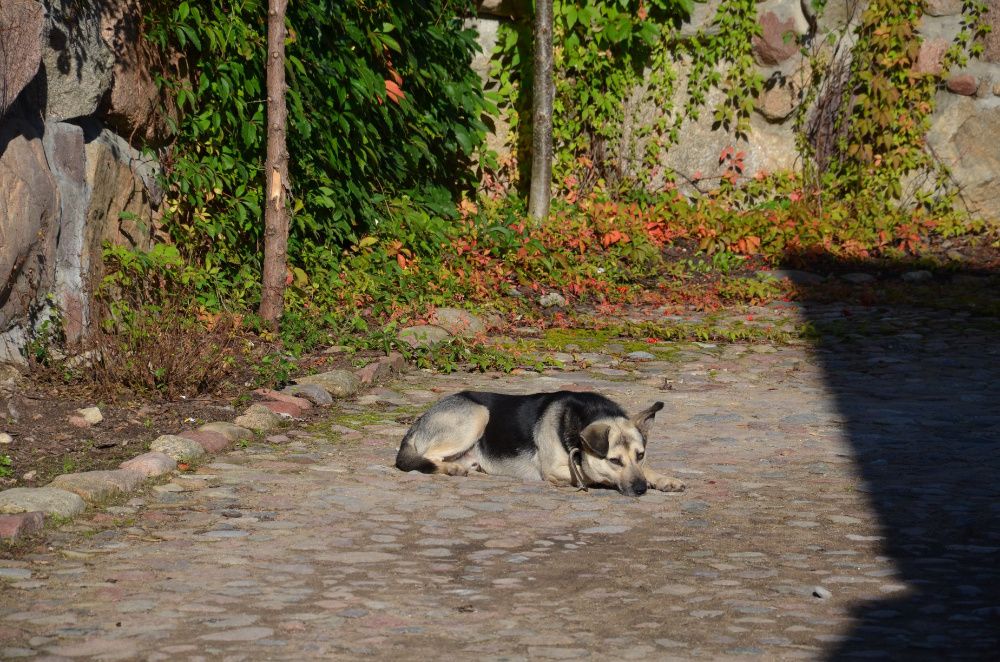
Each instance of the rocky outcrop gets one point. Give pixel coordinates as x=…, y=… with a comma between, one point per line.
x=991, y=42
x=778, y=39
x=21, y=27
x=77, y=62
x=124, y=197
x=505, y=8
x=64, y=148
x=70, y=73
x=965, y=137
x=29, y=225
x=135, y=107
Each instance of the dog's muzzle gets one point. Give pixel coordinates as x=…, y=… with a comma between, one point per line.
x=635, y=489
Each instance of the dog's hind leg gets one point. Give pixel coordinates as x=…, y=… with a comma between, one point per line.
x=443, y=440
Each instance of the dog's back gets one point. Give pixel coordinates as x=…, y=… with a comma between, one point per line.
x=497, y=427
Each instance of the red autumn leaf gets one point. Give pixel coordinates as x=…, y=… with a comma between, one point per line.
x=393, y=90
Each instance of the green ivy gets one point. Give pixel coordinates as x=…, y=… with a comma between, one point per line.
x=618, y=57
x=355, y=147
x=885, y=112
x=722, y=57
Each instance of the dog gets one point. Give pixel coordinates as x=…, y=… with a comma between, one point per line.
x=567, y=438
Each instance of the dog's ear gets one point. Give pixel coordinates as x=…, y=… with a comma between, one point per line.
x=645, y=417
x=595, y=438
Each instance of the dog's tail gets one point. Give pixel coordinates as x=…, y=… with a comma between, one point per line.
x=408, y=459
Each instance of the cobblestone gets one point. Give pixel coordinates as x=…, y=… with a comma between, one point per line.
x=840, y=503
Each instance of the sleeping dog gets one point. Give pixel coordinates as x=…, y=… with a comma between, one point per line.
x=567, y=438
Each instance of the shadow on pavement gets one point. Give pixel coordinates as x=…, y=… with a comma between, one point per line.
x=914, y=366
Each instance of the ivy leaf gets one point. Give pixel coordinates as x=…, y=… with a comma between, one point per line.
x=571, y=16
x=388, y=41
x=464, y=140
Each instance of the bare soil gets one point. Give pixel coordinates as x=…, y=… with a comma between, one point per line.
x=45, y=444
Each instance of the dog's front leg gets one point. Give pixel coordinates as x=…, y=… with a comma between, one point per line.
x=560, y=476
x=662, y=483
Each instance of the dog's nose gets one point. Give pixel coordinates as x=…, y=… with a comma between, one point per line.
x=638, y=489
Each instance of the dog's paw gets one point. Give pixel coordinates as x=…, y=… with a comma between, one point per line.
x=665, y=484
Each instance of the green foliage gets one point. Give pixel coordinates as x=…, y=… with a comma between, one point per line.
x=6, y=466
x=382, y=102
x=748, y=290
x=215, y=169
x=884, y=114
x=356, y=149
x=385, y=126
x=723, y=58
x=607, y=51
x=44, y=338
x=156, y=335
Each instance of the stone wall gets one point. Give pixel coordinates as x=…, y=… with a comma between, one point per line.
x=964, y=133
x=75, y=89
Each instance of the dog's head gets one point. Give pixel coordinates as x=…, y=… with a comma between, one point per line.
x=613, y=451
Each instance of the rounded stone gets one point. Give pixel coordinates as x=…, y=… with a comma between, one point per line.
x=918, y=276
x=312, y=392
x=212, y=442
x=423, y=336
x=282, y=408
x=551, y=300
x=259, y=417
x=268, y=394
x=338, y=383
x=92, y=415
x=641, y=356
x=95, y=486
x=228, y=430
x=49, y=500
x=150, y=465
x=179, y=448
x=963, y=84
x=457, y=322
x=858, y=278
x=21, y=524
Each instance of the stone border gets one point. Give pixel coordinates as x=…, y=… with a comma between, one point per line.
x=23, y=509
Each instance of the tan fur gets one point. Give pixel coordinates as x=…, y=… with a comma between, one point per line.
x=454, y=436
x=662, y=483
x=614, y=448
x=626, y=443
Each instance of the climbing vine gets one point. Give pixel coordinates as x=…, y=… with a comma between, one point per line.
x=617, y=79
x=722, y=57
x=877, y=130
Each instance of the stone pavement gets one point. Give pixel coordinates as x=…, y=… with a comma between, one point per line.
x=841, y=502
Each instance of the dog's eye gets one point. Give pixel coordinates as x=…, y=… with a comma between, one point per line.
x=616, y=461
x=639, y=456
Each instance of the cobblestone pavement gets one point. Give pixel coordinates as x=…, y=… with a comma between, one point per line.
x=841, y=501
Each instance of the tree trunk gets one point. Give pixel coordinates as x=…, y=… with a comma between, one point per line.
x=541, y=123
x=276, y=171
